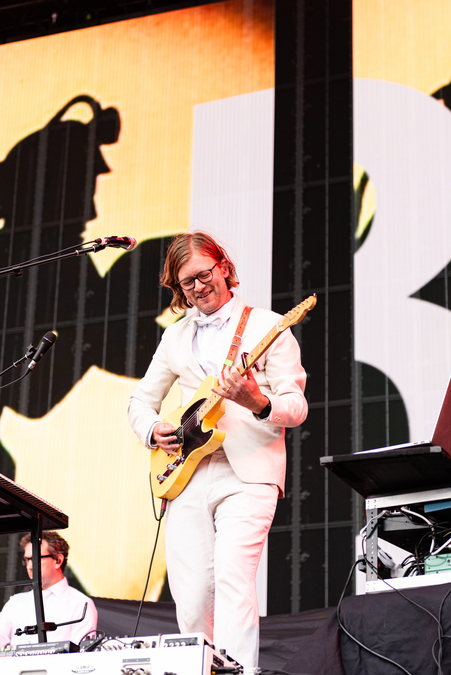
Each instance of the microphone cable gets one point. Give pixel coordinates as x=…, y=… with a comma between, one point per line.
x=18, y=379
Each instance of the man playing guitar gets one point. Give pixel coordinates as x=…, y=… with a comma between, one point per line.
x=217, y=525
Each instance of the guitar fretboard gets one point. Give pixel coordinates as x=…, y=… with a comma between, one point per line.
x=292, y=317
x=251, y=359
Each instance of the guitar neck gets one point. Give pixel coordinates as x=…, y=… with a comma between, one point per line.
x=292, y=317
x=251, y=359
x=260, y=349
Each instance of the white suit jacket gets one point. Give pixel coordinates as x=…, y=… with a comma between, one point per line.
x=254, y=448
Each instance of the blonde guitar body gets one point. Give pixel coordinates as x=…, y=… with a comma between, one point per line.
x=200, y=438
x=194, y=423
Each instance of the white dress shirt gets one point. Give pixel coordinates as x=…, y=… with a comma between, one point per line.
x=208, y=345
x=61, y=603
x=209, y=339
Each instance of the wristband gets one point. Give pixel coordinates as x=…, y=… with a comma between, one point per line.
x=265, y=412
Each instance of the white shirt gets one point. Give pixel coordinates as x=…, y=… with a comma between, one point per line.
x=61, y=603
x=209, y=339
x=208, y=345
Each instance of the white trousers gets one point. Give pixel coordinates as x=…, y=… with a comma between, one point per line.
x=215, y=532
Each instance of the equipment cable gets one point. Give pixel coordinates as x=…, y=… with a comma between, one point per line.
x=352, y=637
x=441, y=636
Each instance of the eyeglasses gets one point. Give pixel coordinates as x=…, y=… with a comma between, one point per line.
x=25, y=560
x=189, y=283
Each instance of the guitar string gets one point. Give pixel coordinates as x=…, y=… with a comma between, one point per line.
x=191, y=421
x=188, y=424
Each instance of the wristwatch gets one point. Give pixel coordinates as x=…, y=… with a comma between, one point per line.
x=265, y=413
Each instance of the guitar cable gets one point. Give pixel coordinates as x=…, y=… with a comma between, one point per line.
x=164, y=503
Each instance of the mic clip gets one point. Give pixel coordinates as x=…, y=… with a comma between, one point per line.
x=91, y=249
x=31, y=351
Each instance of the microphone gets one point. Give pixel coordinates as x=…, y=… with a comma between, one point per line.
x=47, y=341
x=128, y=243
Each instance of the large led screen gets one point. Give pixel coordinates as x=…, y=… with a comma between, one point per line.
x=402, y=151
x=143, y=128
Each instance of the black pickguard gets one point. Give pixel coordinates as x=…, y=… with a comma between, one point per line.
x=193, y=435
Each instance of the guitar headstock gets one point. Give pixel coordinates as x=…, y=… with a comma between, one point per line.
x=296, y=314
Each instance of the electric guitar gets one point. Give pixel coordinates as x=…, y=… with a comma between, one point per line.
x=195, y=422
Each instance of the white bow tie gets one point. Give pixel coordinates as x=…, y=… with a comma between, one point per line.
x=208, y=321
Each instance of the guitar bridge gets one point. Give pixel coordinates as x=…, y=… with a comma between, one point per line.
x=170, y=468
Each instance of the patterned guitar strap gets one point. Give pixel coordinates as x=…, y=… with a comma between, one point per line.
x=237, y=338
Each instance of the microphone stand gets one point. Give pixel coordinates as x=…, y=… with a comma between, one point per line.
x=31, y=351
x=49, y=625
x=42, y=626
x=73, y=251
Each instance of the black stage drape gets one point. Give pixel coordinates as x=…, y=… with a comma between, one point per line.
x=403, y=628
x=280, y=636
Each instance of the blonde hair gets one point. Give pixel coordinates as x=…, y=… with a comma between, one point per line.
x=180, y=249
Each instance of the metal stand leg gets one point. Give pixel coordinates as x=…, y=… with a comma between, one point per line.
x=371, y=543
x=36, y=540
